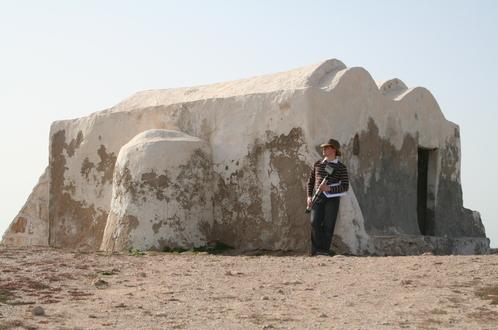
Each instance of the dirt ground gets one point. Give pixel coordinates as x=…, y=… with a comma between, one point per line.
x=204, y=291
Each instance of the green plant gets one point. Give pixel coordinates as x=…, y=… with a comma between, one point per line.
x=217, y=248
x=135, y=252
x=173, y=249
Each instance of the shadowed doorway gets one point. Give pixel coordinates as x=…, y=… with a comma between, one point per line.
x=426, y=178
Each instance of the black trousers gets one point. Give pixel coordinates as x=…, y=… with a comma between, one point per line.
x=323, y=218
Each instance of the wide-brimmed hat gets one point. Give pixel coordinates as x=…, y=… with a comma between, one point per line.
x=334, y=144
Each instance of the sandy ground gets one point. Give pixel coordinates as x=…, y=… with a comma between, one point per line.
x=204, y=291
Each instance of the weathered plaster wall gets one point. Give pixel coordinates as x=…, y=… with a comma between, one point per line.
x=449, y=207
x=82, y=157
x=381, y=129
x=30, y=226
x=162, y=193
x=263, y=133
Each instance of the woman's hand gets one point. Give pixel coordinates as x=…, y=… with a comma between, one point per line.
x=324, y=187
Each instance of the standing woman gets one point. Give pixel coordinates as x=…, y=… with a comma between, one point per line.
x=324, y=211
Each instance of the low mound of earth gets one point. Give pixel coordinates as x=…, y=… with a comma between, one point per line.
x=199, y=290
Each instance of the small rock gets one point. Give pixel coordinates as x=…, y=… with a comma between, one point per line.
x=92, y=316
x=280, y=291
x=173, y=299
x=323, y=315
x=100, y=284
x=265, y=298
x=268, y=326
x=121, y=305
x=162, y=314
x=232, y=273
x=38, y=311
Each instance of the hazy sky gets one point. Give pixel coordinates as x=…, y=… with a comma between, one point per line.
x=66, y=59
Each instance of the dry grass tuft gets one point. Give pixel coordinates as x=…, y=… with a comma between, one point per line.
x=489, y=293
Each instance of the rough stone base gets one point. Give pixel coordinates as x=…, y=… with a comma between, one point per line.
x=30, y=226
x=401, y=245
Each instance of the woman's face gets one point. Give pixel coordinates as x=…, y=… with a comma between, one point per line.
x=328, y=152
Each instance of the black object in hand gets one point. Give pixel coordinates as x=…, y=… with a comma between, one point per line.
x=330, y=170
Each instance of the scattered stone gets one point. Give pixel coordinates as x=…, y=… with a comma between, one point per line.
x=265, y=298
x=162, y=314
x=121, y=305
x=38, y=311
x=233, y=273
x=173, y=299
x=113, y=271
x=323, y=315
x=100, y=284
x=92, y=316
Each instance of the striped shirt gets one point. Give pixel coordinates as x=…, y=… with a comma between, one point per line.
x=338, y=182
